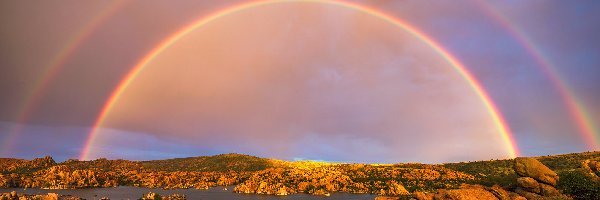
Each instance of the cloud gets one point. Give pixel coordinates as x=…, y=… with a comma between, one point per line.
x=67, y=142
x=268, y=88
x=269, y=81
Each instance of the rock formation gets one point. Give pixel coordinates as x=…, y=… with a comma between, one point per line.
x=529, y=184
x=467, y=191
x=50, y=196
x=592, y=167
x=155, y=196
x=531, y=167
x=536, y=181
x=386, y=198
x=396, y=189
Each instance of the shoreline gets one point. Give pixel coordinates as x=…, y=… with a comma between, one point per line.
x=132, y=192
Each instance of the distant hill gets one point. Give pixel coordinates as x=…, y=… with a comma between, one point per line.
x=217, y=163
x=240, y=162
x=19, y=166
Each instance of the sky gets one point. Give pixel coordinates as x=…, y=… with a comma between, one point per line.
x=298, y=80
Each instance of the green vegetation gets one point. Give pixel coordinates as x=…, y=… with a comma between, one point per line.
x=21, y=166
x=488, y=173
x=568, y=161
x=218, y=163
x=579, y=184
x=501, y=172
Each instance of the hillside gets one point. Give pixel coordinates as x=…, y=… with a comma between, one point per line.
x=501, y=171
x=268, y=176
x=217, y=163
x=21, y=166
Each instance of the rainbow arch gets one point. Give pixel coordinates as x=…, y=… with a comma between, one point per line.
x=503, y=128
x=50, y=71
x=575, y=107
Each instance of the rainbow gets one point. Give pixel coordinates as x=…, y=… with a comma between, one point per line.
x=458, y=66
x=574, y=106
x=48, y=74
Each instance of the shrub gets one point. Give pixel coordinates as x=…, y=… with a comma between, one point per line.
x=579, y=184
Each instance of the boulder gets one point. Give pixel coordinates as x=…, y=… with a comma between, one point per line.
x=499, y=192
x=593, y=167
x=176, y=197
x=77, y=198
x=549, y=191
x=530, y=167
x=593, y=164
x=151, y=196
x=515, y=196
x=529, y=184
x=241, y=188
x=423, y=196
x=396, y=189
x=386, y=198
x=262, y=188
x=528, y=195
x=466, y=192
x=50, y=196
x=282, y=191
x=321, y=192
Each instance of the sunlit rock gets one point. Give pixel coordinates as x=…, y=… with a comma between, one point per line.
x=531, y=167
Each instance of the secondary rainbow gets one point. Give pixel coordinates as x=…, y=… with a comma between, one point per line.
x=32, y=99
x=459, y=67
x=574, y=106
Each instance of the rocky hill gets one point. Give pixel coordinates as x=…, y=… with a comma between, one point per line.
x=20, y=166
x=575, y=175
x=217, y=163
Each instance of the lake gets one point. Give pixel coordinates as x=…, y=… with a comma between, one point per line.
x=127, y=192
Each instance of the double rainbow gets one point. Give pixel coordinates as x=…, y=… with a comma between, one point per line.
x=575, y=106
x=50, y=71
x=458, y=66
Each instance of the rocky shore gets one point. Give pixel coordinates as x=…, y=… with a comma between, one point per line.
x=53, y=196
x=536, y=181
x=50, y=196
x=570, y=176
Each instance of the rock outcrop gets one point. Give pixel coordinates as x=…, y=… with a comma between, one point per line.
x=582, y=182
x=531, y=167
x=529, y=184
x=386, y=198
x=464, y=194
x=536, y=181
x=395, y=189
x=50, y=196
x=467, y=191
x=592, y=167
x=423, y=196
x=282, y=191
x=155, y=196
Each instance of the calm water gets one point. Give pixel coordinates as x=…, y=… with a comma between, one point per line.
x=125, y=192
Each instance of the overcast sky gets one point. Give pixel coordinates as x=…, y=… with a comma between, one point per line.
x=296, y=80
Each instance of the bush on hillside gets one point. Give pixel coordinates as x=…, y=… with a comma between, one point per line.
x=579, y=184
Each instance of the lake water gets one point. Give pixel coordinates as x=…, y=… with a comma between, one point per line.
x=126, y=192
